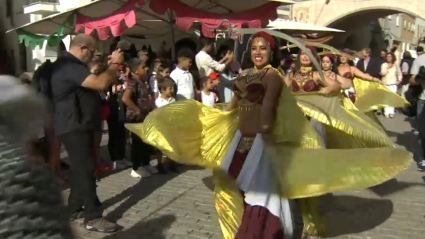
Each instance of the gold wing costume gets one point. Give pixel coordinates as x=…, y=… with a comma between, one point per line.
x=358, y=154
x=372, y=96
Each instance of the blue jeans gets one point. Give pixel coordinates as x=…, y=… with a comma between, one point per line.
x=420, y=124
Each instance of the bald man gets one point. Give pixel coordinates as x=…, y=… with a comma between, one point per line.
x=77, y=116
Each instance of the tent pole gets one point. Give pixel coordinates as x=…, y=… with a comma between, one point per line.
x=173, y=46
x=172, y=21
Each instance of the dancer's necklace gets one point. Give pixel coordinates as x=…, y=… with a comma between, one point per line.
x=252, y=76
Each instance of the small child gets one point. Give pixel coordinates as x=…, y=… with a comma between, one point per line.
x=183, y=78
x=137, y=99
x=153, y=80
x=164, y=70
x=166, y=88
x=98, y=68
x=160, y=70
x=206, y=96
x=215, y=78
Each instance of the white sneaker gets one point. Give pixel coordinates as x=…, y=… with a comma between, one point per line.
x=134, y=174
x=143, y=172
x=151, y=169
x=118, y=165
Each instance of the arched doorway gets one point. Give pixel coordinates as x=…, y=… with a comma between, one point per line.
x=372, y=27
x=186, y=43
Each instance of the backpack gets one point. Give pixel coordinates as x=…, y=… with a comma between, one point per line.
x=42, y=80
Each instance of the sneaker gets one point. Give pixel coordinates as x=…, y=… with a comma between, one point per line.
x=161, y=169
x=97, y=174
x=104, y=167
x=144, y=173
x=421, y=165
x=151, y=169
x=134, y=174
x=173, y=168
x=76, y=215
x=120, y=164
x=101, y=225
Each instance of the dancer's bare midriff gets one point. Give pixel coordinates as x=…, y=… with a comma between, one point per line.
x=250, y=118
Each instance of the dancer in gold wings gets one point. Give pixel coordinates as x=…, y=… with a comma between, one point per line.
x=368, y=93
x=347, y=69
x=266, y=151
x=329, y=70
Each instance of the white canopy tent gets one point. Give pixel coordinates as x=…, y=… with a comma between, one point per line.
x=282, y=24
x=150, y=27
x=148, y=22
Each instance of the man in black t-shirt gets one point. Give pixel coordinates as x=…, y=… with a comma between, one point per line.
x=77, y=116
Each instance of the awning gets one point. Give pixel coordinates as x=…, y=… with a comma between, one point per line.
x=142, y=18
x=282, y=24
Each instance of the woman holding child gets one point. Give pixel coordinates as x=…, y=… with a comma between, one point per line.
x=270, y=147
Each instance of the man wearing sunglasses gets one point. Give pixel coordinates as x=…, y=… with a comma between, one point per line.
x=77, y=116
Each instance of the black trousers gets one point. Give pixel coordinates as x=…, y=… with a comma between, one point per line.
x=80, y=147
x=140, y=152
x=117, y=138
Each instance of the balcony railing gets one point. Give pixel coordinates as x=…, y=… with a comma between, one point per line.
x=42, y=1
x=42, y=7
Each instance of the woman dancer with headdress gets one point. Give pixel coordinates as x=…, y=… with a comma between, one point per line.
x=347, y=69
x=330, y=71
x=265, y=151
x=368, y=93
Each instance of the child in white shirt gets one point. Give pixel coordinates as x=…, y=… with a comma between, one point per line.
x=166, y=88
x=183, y=78
x=207, y=95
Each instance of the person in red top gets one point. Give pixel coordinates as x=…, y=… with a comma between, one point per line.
x=215, y=82
x=207, y=96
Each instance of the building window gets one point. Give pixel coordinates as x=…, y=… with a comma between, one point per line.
x=404, y=24
x=389, y=17
x=397, y=20
x=9, y=8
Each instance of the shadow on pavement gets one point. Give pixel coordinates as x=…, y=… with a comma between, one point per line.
x=138, y=192
x=411, y=121
x=407, y=139
x=392, y=186
x=152, y=228
x=349, y=214
x=208, y=182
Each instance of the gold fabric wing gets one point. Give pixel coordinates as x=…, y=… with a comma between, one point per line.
x=189, y=132
x=372, y=96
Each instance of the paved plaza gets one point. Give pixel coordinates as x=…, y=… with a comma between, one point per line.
x=178, y=206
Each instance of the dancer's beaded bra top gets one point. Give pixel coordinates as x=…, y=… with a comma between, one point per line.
x=348, y=75
x=303, y=81
x=250, y=86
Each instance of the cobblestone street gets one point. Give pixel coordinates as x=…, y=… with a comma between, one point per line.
x=181, y=205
